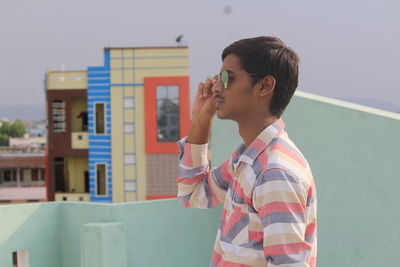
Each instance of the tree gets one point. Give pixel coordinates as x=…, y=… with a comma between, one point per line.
x=7, y=130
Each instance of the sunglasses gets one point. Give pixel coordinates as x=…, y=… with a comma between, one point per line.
x=225, y=78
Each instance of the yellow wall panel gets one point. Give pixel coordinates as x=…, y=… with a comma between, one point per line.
x=128, y=76
x=161, y=62
x=129, y=91
x=59, y=80
x=117, y=144
x=129, y=146
x=130, y=196
x=115, y=52
x=116, y=76
x=129, y=116
x=76, y=172
x=140, y=74
x=116, y=63
x=161, y=52
x=127, y=52
x=128, y=63
x=130, y=172
x=140, y=143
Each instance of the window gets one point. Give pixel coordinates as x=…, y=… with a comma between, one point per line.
x=129, y=159
x=100, y=122
x=35, y=175
x=129, y=102
x=101, y=179
x=167, y=113
x=59, y=124
x=129, y=128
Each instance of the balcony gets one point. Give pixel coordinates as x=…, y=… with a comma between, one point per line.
x=80, y=140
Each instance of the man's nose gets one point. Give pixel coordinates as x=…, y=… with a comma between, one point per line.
x=217, y=85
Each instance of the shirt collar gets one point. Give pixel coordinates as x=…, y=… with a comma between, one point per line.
x=250, y=153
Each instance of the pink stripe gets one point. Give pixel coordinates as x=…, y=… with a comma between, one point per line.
x=310, y=229
x=233, y=219
x=280, y=122
x=312, y=261
x=287, y=207
x=258, y=144
x=256, y=236
x=187, y=157
x=191, y=180
x=285, y=249
x=240, y=192
x=226, y=175
x=289, y=153
x=215, y=257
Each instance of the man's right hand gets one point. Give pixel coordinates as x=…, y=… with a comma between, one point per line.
x=203, y=111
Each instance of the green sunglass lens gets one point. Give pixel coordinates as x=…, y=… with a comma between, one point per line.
x=224, y=79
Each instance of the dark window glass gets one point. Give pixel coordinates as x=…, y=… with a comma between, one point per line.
x=101, y=179
x=167, y=113
x=100, y=129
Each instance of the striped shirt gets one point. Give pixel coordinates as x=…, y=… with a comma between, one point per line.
x=268, y=191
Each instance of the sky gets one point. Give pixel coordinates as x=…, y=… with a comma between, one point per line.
x=349, y=49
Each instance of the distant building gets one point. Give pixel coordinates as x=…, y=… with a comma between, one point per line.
x=112, y=129
x=27, y=141
x=22, y=175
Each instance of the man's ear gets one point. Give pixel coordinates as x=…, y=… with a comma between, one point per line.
x=267, y=85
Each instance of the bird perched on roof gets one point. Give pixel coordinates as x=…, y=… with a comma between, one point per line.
x=178, y=39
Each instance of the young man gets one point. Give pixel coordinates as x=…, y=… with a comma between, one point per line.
x=269, y=213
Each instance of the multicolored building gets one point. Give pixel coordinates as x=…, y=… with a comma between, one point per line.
x=113, y=128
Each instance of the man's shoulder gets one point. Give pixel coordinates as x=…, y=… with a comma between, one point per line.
x=282, y=154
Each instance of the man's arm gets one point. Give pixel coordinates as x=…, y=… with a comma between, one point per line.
x=281, y=201
x=198, y=186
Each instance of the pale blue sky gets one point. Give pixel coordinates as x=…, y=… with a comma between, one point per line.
x=349, y=49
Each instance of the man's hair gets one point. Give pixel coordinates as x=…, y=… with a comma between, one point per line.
x=265, y=56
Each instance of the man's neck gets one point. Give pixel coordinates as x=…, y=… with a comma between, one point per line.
x=249, y=129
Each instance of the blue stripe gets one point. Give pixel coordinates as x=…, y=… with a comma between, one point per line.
x=127, y=84
x=99, y=99
x=90, y=69
x=98, y=75
x=94, y=94
x=98, y=87
x=100, y=157
x=99, y=137
x=97, y=80
x=99, y=144
x=101, y=150
x=107, y=59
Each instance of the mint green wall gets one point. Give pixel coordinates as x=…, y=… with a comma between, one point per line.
x=355, y=158
x=33, y=227
x=158, y=233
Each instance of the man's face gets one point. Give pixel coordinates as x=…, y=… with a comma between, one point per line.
x=236, y=101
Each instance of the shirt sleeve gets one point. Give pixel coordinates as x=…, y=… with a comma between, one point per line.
x=198, y=185
x=280, y=200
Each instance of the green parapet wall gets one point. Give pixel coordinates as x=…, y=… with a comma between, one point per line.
x=354, y=153
x=157, y=233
